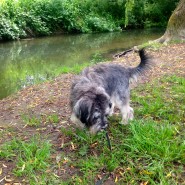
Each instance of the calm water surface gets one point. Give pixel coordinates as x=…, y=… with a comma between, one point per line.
x=26, y=62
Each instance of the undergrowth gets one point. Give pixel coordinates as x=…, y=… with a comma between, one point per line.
x=23, y=18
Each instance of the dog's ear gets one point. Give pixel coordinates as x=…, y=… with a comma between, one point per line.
x=101, y=95
x=102, y=98
x=82, y=110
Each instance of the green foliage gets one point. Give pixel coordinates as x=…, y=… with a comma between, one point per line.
x=19, y=19
x=9, y=30
x=158, y=12
x=31, y=157
x=129, y=5
x=148, y=13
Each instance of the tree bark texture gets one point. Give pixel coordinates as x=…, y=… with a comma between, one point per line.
x=176, y=25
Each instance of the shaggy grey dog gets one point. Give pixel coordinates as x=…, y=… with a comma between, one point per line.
x=98, y=89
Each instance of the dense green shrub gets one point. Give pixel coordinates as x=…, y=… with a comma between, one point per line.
x=150, y=13
x=9, y=30
x=24, y=18
x=158, y=12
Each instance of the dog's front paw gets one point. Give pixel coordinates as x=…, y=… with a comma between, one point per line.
x=76, y=121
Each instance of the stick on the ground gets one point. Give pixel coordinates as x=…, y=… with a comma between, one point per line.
x=108, y=141
x=135, y=48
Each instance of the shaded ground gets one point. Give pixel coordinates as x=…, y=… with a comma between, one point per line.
x=52, y=98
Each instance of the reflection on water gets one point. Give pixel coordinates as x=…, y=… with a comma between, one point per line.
x=24, y=62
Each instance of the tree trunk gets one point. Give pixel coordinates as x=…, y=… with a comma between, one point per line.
x=176, y=25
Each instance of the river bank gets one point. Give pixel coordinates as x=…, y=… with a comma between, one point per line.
x=48, y=104
x=167, y=60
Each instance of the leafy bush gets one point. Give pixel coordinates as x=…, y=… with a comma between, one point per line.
x=9, y=30
x=100, y=24
x=25, y=18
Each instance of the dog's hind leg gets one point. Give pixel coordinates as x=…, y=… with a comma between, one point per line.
x=131, y=113
x=127, y=113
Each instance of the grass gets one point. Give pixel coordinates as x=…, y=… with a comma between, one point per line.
x=32, y=157
x=35, y=121
x=150, y=150
x=77, y=68
x=152, y=45
x=144, y=152
x=53, y=118
x=31, y=121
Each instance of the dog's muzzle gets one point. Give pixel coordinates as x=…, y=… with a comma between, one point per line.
x=104, y=126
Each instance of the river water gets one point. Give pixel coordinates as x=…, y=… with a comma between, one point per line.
x=29, y=61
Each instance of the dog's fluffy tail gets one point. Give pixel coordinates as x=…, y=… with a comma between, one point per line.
x=142, y=67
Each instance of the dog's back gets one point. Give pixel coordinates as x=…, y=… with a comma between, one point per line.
x=109, y=76
x=114, y=76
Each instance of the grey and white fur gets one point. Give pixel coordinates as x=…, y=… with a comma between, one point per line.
x=98, y=89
